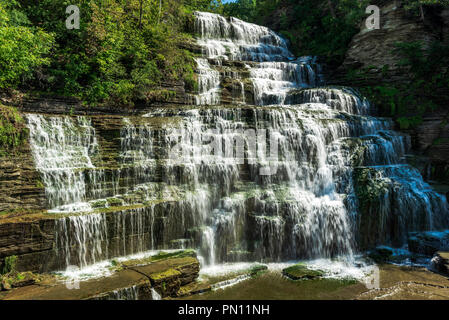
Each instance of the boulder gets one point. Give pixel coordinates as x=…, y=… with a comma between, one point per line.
x=301, y=272
x=428, y=243
x=440, y=262
x=372, y=49
x=381, y=254
x=5, y=285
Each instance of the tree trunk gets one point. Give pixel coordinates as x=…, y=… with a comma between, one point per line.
x=421, y=10
x=140, y=14
x=160, y=11
x=331, y=8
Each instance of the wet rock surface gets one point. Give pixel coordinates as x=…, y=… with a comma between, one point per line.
x=127, y=282
x=428, y=243
x=301, y=272
x=20, y=186
x=440, y=262
x=373, y=48
x=407, y=283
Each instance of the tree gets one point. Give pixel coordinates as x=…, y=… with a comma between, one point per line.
x=140, y=14
x=420, y=4
x=331, y=8
x=22, y=48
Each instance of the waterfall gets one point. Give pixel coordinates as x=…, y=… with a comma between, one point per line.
x=272, y=68
x=82, y=240
x=62, y=147
x=131, y=293
x=155, y=295
x=208, y=84
x=305, y=172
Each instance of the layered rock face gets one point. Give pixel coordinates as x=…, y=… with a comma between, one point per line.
x=244, y=63
x=373, y=50
x=288, y=171
x=148, y=279
x=20, y=184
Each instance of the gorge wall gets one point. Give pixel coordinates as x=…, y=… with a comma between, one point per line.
x=113, y=186
x=372, y=50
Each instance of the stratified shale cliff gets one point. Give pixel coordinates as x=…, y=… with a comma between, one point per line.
x=372, y=52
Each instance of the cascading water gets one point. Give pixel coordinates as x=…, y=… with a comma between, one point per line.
x=285, y=179
x=62, y=147
x=271, y=66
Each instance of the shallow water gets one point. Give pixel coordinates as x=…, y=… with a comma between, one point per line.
x=273, y=286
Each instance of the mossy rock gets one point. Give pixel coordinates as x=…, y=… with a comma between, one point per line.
x=165, y=275
x=13, y=131
x=18, y=279
x=301, y=272
x=193, y=288
x=99, y=204
x=257, y=269
x=114, y=202
x=158, y=257
x=177, y=254
x=381, y=255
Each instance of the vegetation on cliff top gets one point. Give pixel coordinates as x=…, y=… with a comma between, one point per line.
x=121, y=54
x=426, y=91
x=313, y=27
x=125, y=50
x=13, y=131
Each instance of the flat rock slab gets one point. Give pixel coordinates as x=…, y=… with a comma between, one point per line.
x=441, y=262
x=301, y=272
x=89, y=289
x=169, y=275
x=193, y=288
x=165, y=276
x=408, y=283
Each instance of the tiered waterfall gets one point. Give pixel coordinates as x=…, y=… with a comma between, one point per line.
x=265, y=164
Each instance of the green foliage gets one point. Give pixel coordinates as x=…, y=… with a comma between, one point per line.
x=409, y=122
x=309, y=25
x=13, y=131
x=120, y=54
x=370, y=187
x=426, y=91
x=418, y=6
x=9, y=265
x=23, y=48
x=244, y=9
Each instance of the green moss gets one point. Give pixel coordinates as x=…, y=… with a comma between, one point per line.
x=300, y=272
x=40, y=185
x=9, y=265
x=15, y=279
x=99, y=204
x=370, y=186
x=157, y=277
x=372, y=190
x=380, y=255
x=177, y=254
x=114, y=202
x=13, y=131
x=189, y=256
x=258, y=270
